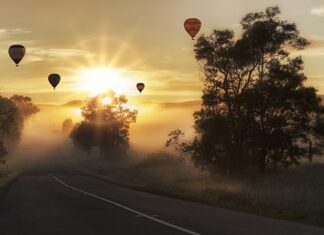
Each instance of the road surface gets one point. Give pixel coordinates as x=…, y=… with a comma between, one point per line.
x=59, y=201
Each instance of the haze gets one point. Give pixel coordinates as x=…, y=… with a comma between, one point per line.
x=143, y=40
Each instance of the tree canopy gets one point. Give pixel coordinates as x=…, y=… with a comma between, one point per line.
x=106, y=121
x=14, y=111
x=256, y=111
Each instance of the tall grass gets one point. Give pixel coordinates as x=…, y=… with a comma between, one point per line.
x=294, y=194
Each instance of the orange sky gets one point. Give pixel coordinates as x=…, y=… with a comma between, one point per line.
x=113, y=44
x=143, y=38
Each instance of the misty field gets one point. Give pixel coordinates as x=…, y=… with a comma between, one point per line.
x=294, y=194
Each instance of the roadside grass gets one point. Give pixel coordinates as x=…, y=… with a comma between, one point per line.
x=294, y=194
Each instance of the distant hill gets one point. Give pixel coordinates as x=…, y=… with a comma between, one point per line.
x=193, y=103
x=186, y=104
x=73, y=103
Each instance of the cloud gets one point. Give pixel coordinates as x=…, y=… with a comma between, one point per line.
x=316, y=48
x=58, y=52
x=311, y=52
x=317, y=11
x=14, y=31
x=34, y=50
x=41, y=53
x=9, y=33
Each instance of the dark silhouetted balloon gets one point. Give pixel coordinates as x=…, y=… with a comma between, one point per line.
x=192, y=26
x=17, y=52
x=54, y=79
x=140, y=86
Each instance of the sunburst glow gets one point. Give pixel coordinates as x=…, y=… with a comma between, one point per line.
x=98, y=80
x=105, y=100
x=77, y=112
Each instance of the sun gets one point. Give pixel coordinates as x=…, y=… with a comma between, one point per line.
x=98, y=80
x=77, y=112
x=105, y=100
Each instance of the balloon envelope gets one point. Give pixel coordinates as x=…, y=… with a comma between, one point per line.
x=17, y=52
x=54, y=79
x=192, y=26
x=140, y=86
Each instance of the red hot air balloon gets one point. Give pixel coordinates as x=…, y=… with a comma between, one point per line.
x=192, y=26
x=17, y=52
x=140, y=86
x=54, y=79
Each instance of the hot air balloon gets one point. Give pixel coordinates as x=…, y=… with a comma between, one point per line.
x=54, y=79
x=140, y=86
x=17, y=52
x=192, y=26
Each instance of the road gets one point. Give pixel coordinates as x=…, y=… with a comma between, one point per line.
x=59, y=201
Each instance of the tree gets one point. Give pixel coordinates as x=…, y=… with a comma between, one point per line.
x=256, y=111
x=174, y=141
x=25, y=105
x=14, y=112
x=106, y=125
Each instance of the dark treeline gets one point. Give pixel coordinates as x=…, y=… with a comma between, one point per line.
x=256, y=112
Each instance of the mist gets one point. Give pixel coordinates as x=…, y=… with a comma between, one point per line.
x=43, y=139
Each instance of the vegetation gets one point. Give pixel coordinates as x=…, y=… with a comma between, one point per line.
x=14, y=113
x=294, y=194
x=105, y=125
x=256, y=111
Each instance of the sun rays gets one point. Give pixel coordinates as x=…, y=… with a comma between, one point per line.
x=107, y=67
x=98, y=80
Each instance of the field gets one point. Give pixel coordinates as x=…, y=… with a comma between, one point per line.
x=293, y=194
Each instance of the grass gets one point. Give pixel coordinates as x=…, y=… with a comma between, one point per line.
x=293, y=194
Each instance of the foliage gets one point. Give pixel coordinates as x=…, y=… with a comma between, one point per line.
x=24, y=105
x=14, y=112
x=175, y=140
x=256, y=110
x=105, y=124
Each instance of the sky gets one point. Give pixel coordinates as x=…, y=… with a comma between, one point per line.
x=113, y=44
x=143, y=40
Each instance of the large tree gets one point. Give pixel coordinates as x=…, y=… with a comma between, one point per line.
x=256, y=110
x=106, y=125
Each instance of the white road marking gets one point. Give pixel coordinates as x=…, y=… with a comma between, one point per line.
x=140, y=214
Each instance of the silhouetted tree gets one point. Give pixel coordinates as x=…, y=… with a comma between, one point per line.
x=13, y=112
x=256, y=111
x=106, y=125
x=25, y=105
x=174, y=140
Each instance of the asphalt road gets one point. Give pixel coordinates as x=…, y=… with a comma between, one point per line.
x=61, y=201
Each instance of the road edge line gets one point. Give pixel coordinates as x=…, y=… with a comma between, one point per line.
x=126, y=208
